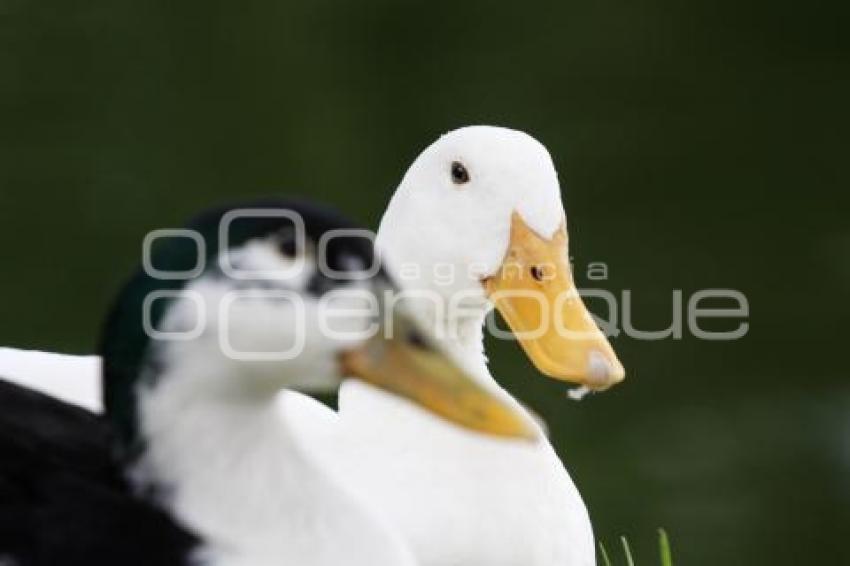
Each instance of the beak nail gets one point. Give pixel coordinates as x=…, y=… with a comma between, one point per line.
x=602, y=372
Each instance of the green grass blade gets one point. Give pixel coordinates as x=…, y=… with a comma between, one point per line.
x=605, y=558
x=627, y=551
x=664, y=548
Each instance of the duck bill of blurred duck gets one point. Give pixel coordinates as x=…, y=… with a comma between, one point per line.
x=535, y=294
x=412, y=366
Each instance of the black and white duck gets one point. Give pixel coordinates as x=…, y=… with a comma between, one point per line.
x=194, y=460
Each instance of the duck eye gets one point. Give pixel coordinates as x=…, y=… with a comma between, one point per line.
x=459, y=173
x=416, y=340
x=287, y=244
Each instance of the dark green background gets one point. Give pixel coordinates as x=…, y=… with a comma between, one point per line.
x=700, y=145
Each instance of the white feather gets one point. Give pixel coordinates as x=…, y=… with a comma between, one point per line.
x=74, y=379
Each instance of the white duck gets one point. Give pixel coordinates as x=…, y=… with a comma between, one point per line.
x=484, y=204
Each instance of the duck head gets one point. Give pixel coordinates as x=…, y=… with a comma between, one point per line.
x=482, y=205
x=248, y=300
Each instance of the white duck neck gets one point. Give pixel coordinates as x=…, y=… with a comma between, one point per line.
x=234, y=473
x=460, y=331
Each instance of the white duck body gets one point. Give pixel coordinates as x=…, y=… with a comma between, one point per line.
x=459, y=498
x=462, y=500
x=73, y=379
x=310, y=517
x=220, y=489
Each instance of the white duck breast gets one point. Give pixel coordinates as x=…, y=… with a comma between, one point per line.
x=458, y=499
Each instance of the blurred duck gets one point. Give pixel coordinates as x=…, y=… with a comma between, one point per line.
x=484, y=205
x=195, y=460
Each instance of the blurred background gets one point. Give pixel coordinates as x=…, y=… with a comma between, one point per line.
x=699, y=144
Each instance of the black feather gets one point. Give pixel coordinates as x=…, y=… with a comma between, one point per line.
x=64, y=501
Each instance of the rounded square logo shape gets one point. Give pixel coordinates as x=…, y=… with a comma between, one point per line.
x=173, y=275
x=360, y=274
x=297, y=324
x=174, y=295
x=291, y=271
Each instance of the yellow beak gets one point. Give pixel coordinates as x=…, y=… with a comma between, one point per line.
x=535, y=293
x=410, y=365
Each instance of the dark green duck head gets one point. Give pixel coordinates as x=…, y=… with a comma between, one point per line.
x=247, y=300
